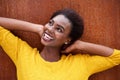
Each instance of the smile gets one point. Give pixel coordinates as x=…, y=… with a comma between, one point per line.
x=47, y=37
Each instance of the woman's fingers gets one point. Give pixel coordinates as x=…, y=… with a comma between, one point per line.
x=67, y=50
x=42, y=29
x=70, y=49
x=75, y=46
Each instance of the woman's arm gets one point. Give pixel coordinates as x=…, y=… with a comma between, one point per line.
x=105, y=57
x=91, y=48
x=14, y=24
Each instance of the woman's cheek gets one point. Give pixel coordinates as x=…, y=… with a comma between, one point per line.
x=59, y=35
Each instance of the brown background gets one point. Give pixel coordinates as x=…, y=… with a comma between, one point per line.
x=102, y=26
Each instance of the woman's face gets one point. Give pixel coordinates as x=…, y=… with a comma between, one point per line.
x=56, y=32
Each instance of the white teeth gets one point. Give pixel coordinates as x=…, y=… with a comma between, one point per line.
x=46, y=36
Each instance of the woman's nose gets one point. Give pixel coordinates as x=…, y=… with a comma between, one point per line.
x=50, y=28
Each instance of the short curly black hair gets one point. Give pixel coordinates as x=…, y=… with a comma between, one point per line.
x=76, y=21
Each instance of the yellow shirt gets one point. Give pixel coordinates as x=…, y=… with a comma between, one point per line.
x=31, y=66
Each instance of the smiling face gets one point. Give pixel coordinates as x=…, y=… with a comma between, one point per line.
x=57, y=32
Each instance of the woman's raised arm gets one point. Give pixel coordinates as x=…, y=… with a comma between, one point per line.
x=14, y=24
x=91, y=48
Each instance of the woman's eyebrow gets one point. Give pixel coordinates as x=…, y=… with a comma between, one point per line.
x=58, y=24
x=61, y=26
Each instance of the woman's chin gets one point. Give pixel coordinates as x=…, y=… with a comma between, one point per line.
x=46, y=43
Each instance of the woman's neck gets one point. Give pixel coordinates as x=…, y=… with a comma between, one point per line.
x=50, y=54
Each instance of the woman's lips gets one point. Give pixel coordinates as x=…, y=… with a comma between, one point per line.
x=47, y=37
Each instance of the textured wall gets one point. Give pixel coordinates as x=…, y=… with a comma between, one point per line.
x=102, y=25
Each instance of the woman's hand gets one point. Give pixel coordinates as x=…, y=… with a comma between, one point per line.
x=75, y=47
x=40, y=29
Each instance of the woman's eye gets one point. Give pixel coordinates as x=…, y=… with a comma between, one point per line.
x=59, y=29
x=50, y=23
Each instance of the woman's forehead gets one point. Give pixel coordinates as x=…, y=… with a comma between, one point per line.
x=62, y=20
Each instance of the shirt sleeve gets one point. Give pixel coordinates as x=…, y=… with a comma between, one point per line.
x=99, y=63
x=11, y=44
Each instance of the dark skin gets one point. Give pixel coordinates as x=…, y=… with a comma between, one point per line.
x=54, y=36
x=57, y=31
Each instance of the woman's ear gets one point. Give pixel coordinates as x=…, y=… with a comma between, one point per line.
x=67, y=41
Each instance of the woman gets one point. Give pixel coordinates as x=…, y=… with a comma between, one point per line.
x=60, y=33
